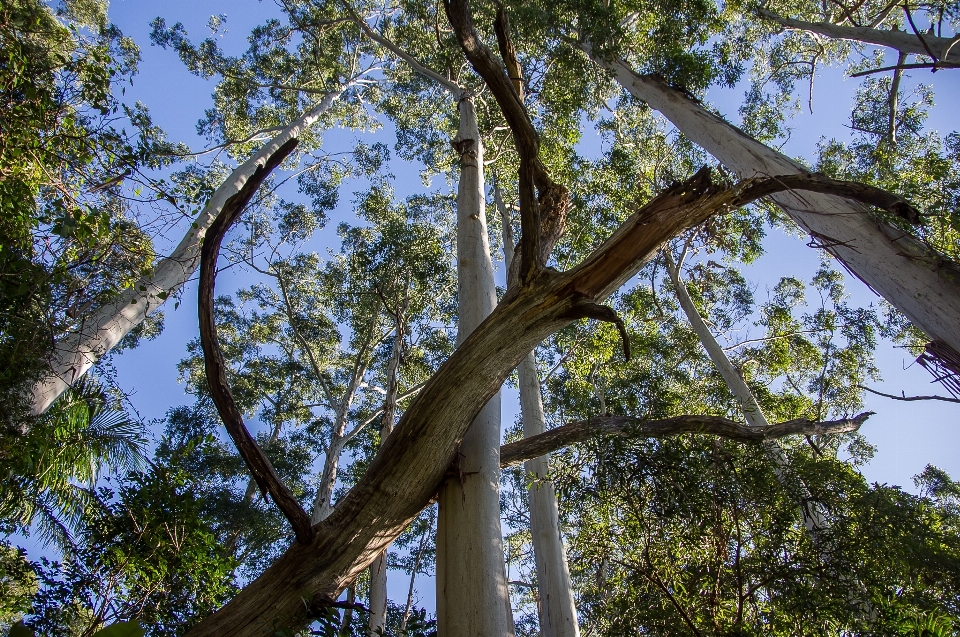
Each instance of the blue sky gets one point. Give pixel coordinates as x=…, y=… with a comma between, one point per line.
x=907, y=435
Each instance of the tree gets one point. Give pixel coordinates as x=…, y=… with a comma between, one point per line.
x=540, y=92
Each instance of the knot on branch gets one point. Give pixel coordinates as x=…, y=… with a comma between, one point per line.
x=466, y=148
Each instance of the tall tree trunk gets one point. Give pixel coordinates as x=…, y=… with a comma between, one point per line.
x=378, y=570
x=418, y=456
x=557, y=611
x=472, y=595
x=921, y=284
x=814, y=518
x=99, y=332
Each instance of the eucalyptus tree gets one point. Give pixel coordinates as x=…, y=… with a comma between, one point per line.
x=255, y=116
x=68, y=241
x=468, y=526
x=557, y=613
x=406, y=473
x=531, y=100
x=662, y=58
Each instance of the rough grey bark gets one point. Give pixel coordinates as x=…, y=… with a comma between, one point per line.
x=102, y=329
x=557, y=610
x=912, y=277
x=902, y=41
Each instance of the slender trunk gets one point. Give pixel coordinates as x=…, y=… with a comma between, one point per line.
x=472, y=595
x=99, y=332
x=902, y=41
x=347, y=614
x=893, y=101
x=323, y=504
x=920, y=283
x=418, y=456
x=249, y=494
x=413, y=575
x=814, y=518
x=557, y=610
x=378, y=570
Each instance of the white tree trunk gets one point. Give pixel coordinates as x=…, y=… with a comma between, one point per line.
x=378, y=570
x=100, y=331
x=813, y=517
x=903, y=41
x=472, y=595
x=557, y=611
x=897, y=266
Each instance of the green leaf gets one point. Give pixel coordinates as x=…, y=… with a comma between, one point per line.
x=120, y=629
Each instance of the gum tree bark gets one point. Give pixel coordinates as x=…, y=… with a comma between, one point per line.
x=902, y=41
x=472, y=594
x=917, y=281
x=378, y=570
x=556, y=608
x=632, y=427
x=814, y=517
x=100, y=331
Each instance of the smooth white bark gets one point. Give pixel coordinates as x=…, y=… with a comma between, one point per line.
x=99, y=332
x=898, y=267
x=904, y=41
x=557, y=610
x=813, y=517
x=377, y=621
x=472, y=595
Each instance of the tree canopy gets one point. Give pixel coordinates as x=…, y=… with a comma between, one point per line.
x=694, y=428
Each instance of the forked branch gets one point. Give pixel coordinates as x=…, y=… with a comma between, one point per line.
x=543, y=202
x=216, y=370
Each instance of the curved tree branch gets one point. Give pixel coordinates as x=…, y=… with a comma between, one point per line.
x=215, y=367
x=542, y=217
x=631, y=427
